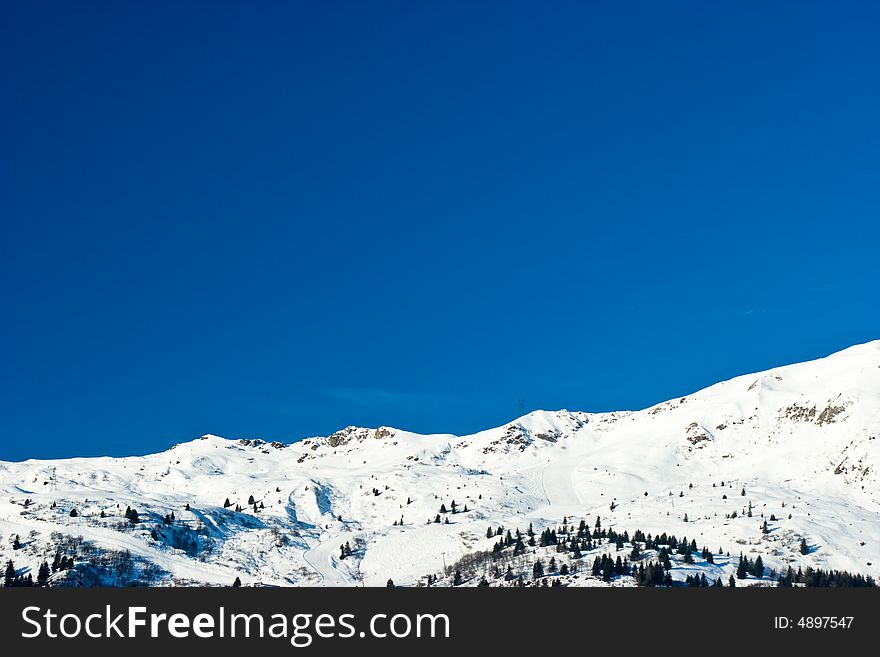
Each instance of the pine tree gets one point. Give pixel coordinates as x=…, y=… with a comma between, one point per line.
x=73, y=513
x=390, y=584
x=663, y=557
x=16, y=544
x=457, y=579
x=9, y=576
x=731, y=582
x=251, y=500
x=236, y=583
x=537, y=569
x=804, y=548
x=758, y=567
x=226, y=504
x=43, y=574
x=743, y=568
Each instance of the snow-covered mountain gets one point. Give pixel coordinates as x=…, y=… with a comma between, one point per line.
x=799, y=444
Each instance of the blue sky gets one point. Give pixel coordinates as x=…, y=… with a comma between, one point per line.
x=276, y=219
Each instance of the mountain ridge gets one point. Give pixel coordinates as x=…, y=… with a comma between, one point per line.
x=799, y=440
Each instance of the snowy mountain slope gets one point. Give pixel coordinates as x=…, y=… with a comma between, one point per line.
x=800, y=440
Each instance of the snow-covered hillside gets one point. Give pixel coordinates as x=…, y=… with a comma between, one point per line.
x=798, y=443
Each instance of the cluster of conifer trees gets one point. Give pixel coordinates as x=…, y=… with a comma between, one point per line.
x=825, y=578
x=11, y=578
x=575, y=540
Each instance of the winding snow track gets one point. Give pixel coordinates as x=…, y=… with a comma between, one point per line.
x=321, y=559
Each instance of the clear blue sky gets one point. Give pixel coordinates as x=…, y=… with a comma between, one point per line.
x=276, y=219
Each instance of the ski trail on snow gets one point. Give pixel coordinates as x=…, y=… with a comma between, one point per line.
x=321, y=559
x=557, y=484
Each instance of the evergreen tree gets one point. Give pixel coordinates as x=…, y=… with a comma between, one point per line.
x=804, y=548
x=635, y=554
x=16, y=543
x=742, y=569
x=537, y=569
x=389, y=584
x=9, y=576
x=73, y=513
x=43, y=574
x=758, y=567
x=731, y=582
x=236, y=583
x=457, y=579
x=226, y=505
x=663, y=556
x=251, y=500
